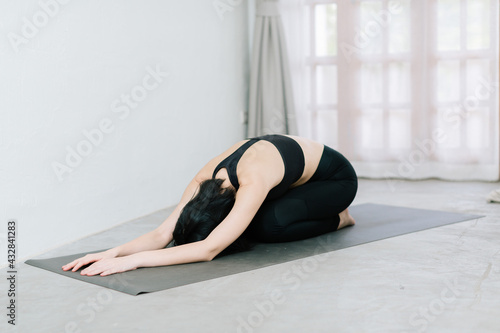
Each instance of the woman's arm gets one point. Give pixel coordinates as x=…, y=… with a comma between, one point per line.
x=249, y=198
x=162, y=235
x=153, y=240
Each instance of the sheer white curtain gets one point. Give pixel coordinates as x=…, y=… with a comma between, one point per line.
x=403, y=88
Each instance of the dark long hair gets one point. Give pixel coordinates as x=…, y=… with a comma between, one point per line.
x=204, y=212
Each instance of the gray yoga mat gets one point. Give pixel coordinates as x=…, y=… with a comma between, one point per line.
x=373, y=222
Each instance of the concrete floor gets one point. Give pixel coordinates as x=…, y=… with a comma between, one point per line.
x=445, y=279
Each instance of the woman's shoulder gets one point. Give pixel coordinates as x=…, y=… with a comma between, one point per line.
x=207, y=171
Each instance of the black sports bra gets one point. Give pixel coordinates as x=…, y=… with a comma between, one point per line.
x=291, y=153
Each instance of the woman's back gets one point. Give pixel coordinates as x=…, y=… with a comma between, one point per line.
x=279, y=162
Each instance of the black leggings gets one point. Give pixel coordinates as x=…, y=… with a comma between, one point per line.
x=310, y=209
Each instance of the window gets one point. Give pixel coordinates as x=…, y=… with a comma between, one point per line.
x=393, y=81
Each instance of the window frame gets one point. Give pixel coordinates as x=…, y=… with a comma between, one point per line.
x=423, y=53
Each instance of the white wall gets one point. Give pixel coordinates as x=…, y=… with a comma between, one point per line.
x=69, y=74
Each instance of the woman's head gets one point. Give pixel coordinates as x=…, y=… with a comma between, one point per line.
x=204, y=212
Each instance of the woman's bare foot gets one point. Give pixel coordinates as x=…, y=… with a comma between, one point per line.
x=345, y=219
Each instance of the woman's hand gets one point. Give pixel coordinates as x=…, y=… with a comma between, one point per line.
x=109, y=266
x=89, y=258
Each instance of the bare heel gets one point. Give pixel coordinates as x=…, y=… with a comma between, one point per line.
x=345, y=219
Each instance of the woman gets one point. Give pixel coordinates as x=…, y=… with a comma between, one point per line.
x=273, y=188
